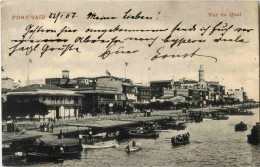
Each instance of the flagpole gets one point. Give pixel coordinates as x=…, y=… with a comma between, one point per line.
x=141, y=75
x=148, y=75
x=125, y=68
x=28, y=73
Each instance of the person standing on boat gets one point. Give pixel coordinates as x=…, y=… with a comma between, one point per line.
x=133, y=143
x=61, y=134
x=52, y=127
x=80, y=138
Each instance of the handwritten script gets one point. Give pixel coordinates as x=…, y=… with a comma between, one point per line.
x=175, y=40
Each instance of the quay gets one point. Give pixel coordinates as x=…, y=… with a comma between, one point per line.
x=105, y=123
x=16, y=137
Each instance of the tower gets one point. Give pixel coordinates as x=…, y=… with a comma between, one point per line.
x=201, y=73
x=65, y=74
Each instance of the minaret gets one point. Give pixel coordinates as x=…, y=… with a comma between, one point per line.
x=201, y=73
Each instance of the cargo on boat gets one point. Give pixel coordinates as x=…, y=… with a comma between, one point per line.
x=180, y=139
x=241, y=126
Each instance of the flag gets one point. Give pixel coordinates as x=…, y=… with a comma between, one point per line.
x=3, y=69
x=30, y=60
x=108, y=73
x=126, y=63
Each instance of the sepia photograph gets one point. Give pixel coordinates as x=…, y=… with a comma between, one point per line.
x=130, y=83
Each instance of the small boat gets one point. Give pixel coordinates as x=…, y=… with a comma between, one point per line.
x=52, y=152
x=107, y=144
x=254, y=137
x=220, y=116
x=145, y=134
x=40, y=157
x=241, y=127
x=180, y=139
x=130, y=148
x=179, y=126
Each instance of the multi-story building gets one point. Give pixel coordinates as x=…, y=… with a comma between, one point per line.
x=61, y=103
x=143, y=93
x=60, y=82
x=216, y=91
x=237, y=93
x=158, y=87
x=7, y=85
x=86, y=81
x=96, y=98
x=185, y=84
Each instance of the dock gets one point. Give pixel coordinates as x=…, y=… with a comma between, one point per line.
x=15, y=137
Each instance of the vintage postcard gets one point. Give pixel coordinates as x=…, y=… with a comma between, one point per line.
x=130, y=83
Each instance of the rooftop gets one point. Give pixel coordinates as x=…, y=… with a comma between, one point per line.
x=36, y=87
x=160, y=81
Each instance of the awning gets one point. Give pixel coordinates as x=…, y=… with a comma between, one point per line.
x=99, y=92
x=167, y=97
x=42, y=93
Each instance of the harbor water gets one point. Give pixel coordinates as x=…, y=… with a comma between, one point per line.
x=212, y=143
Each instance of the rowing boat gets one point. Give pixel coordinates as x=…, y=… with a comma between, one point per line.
x=98, y=145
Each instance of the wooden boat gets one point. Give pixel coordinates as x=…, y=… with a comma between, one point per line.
x=183, y=140
x=179, y=126
x=52, y=152
x=241, y=127
x=107, y=144
x=145, y=134
x=220, y=116
x=40, y=157
x=254, y=137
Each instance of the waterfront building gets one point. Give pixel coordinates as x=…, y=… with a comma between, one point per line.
x=237, y=93
x=143, y=93
x=96, y=99
x=61, y=103
x=7, y=83
x=86, y=81
x=61, y=82
x=122, y=85
x=185, y=84
x=110, y=81
x=158, y=87
x=216, y=91
x=38, y=81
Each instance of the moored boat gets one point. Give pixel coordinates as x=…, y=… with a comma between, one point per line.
x=39, y=157
x=179, y=126
x=145, y=134
x=99, y=145
x=52, y=152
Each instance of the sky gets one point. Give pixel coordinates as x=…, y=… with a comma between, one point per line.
x=237, y=63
